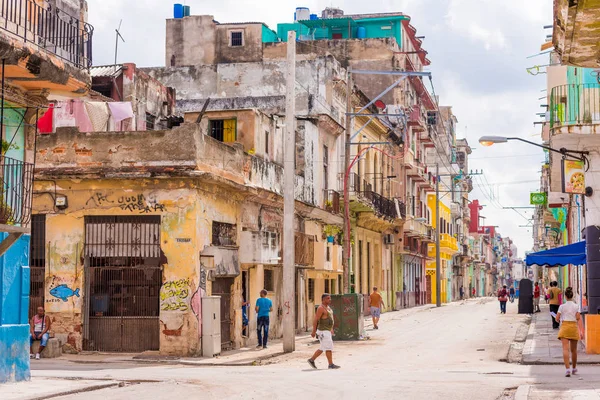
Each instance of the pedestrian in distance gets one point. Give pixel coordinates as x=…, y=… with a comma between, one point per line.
x=474, y=292
x=38, y=330
x=323, y=330
x=554, y=301
x=536, y=298
x=571, y=330
x=376, y=303
x=462, y=292
x=263, y=307
x=512, y=294
x=547, y=294
x=503, y=298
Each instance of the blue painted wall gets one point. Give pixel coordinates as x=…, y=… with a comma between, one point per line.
x=14, y=308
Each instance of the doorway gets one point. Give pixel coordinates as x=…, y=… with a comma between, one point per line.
x=245, y=307
x=123, y=281
x=37, y=263
x=223, y=287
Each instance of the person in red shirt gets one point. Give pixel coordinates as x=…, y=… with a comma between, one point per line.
x=536, y=298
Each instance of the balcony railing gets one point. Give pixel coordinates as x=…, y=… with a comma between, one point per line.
x=575, y=105
x=50, y=28
x=15, y=202
x=381, y=205
x=304, y=251
x=331, y=200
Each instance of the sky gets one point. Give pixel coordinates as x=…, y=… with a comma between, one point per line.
x=479, y=53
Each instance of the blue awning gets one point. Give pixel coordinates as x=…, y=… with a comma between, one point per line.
x=564, y=255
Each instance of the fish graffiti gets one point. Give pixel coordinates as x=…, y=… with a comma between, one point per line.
x=63, y=292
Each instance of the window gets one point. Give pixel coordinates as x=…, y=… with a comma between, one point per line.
x=236, y=38
x=269, y=281
x=224, y=130
x=223, y=234
x=150, y=120
x=270, y=240
x=327, y=286
x=325, y=168
x=328, y=254
x=333, y=288
x=267, y=142
x=311, y=289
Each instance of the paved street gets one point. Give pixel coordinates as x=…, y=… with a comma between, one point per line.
x=456, y=352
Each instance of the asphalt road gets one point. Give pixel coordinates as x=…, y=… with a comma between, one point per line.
x=456, y=352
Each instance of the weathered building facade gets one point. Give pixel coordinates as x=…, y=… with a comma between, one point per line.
x=38, y=60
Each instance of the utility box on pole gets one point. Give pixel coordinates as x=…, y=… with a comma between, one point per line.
x=348, y=316
x=211, y=326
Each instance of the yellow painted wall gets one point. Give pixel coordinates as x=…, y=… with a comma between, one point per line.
x=187, y=213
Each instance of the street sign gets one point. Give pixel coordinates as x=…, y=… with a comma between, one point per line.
x=538, y=199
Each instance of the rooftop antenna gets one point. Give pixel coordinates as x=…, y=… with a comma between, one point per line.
x=117, y=42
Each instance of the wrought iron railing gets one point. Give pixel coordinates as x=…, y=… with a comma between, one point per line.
x=575, y=104
x=332, y=201
x=50, y=28
x=15, y=201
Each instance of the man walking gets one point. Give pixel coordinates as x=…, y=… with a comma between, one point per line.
x=376, y=303
x=554, y=301
x=512, y=294
x=263, y=307
x=323, y=330
x=536, y=298
x=462, y=292
x=38, y=330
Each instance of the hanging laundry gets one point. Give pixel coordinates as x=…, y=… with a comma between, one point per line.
x=98, y=114
x=81, y=117
x=64, y=114
x=120, y=110
x=45, y=123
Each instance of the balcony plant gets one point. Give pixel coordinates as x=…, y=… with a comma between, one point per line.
x=328, y=205
x=6, y=213
x=330, y=232
x=6, y=146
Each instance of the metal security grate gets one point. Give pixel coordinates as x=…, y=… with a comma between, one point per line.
x=124, y=277
x=37, y=262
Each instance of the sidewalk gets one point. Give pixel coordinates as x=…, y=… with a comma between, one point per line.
x=543, y=347
x=43, y=388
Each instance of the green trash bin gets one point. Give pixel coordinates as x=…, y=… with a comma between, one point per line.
x=349, y=322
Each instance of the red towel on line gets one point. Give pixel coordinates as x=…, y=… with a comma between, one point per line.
x=45, y=123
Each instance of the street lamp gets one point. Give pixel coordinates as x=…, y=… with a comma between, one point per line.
x=491, y=140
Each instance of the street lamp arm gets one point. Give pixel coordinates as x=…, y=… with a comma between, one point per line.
x=538, y=145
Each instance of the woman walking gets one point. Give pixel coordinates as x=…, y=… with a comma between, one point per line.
x=503, y=298
x=571, y=330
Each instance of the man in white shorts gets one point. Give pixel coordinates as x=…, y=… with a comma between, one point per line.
x=323, y=330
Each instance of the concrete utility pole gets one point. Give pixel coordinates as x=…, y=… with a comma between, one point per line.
x=289, y=155
x=347, y=230
x=438, y=261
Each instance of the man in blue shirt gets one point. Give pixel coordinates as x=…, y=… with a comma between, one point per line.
x=263, y=307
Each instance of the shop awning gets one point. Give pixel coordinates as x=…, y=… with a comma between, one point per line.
x=564, y=255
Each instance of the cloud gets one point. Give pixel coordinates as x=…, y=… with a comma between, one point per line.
x=478, y=50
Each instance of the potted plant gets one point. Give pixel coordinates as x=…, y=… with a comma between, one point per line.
x=328, y=205
x=330, y=232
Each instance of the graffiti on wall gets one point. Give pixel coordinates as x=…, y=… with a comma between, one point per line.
x=63, y=292
x=174, y=295
x=133, y=203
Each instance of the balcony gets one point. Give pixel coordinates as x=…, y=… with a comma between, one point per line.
x=416, y=120
x=331, y=201
x=448, y=242
x=49, y=28
x=575, y=109
x=371, y=200
x=304, y=249
x=15, y=204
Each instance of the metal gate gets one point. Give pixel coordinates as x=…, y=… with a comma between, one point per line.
x=123, y=280
x=222, y=287
x=37, y=263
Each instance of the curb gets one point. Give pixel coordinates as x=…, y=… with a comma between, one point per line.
x=75, y=391
x=522, y=392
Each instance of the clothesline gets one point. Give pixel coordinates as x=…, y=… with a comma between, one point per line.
x=87, y=116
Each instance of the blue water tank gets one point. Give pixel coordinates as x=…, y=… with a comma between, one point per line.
x=361, y=33
x=178, y=11
x=314, y=17
x=186, y=11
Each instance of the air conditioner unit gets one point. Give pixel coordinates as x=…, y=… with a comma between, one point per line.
x=388, y=239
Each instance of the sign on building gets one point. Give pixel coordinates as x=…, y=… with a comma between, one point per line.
x=538, y=199
x=573, y=179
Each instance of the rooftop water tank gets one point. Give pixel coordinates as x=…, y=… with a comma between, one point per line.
x=302, y=14
x=361, y=33
x=314, y=17
x=186, y=11
x=178, y=11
